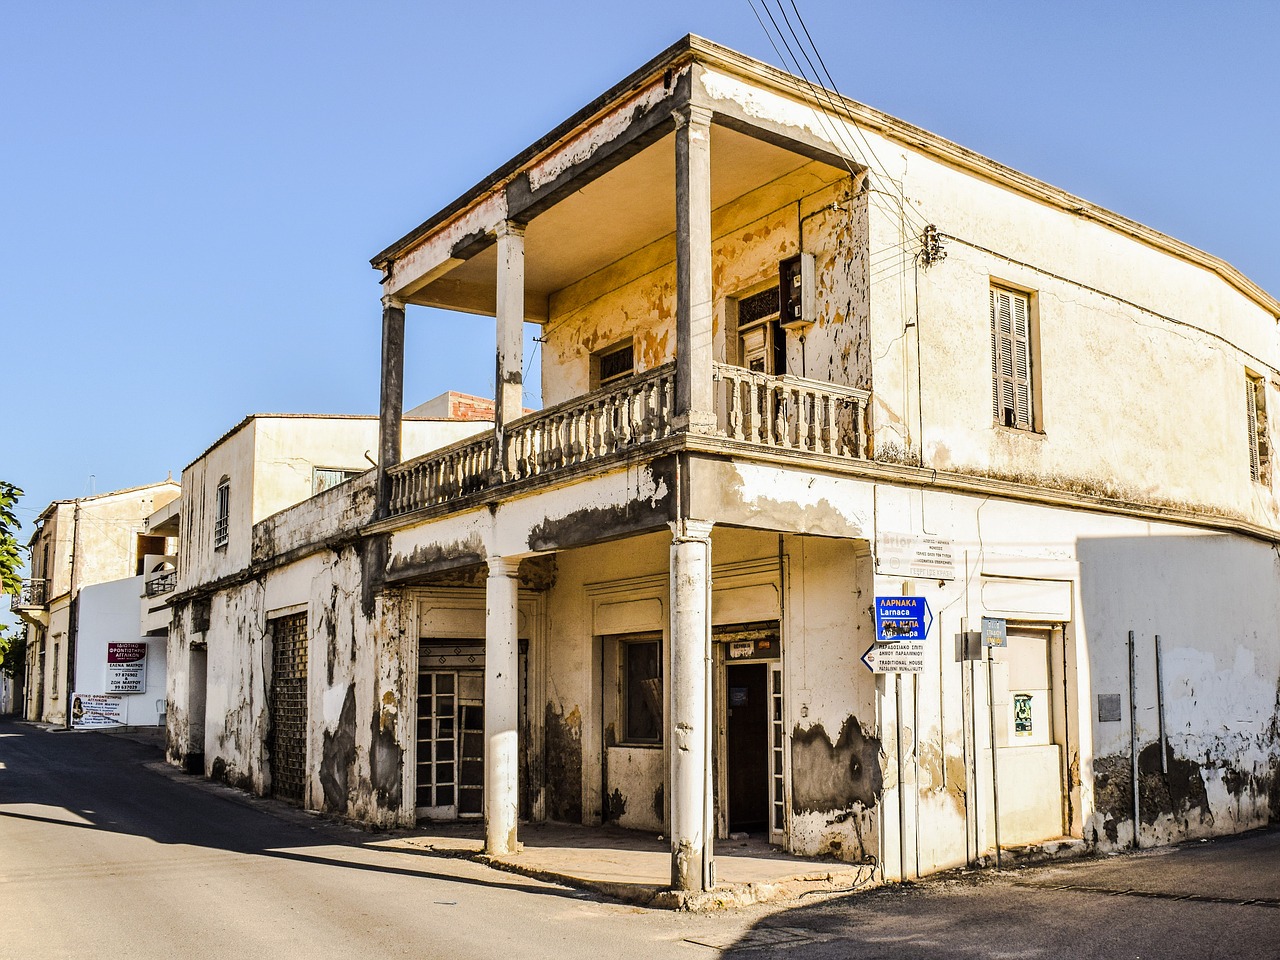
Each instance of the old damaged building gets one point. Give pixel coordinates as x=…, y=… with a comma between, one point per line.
x=798, y=355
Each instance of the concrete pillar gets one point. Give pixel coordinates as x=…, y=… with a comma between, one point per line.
x=509, y=402
x=391, y=406
x=689, y=723
x=695, y=399
x=501, y=706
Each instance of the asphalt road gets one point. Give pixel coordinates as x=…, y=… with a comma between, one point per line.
x=101, y=855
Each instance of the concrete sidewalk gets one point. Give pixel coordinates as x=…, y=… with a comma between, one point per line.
x=635, y=867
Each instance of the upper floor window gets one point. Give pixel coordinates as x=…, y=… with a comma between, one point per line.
x=612, y=364
x=1012, y=393
x=1255, y=394
x=222, y=515
x=322, y=478
x=761, y=341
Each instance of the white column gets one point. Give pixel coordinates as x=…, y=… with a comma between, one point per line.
x=510, y=379
x=695, y=399
x=501, y=706
x=689, y=724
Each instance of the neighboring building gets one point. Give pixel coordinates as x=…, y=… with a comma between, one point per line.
x=772, y=401
x=266, y=463
x=79, y=544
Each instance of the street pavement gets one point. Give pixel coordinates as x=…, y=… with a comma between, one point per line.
x=102, y=852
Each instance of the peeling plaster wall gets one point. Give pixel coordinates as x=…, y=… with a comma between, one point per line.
x=1130, y=393
x=836, y=772
x=636, y=297
x=358, y=722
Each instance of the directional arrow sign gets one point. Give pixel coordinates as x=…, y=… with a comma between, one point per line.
x=902, y=618
x=895, y=658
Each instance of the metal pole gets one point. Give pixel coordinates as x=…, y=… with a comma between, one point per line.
x=1164, y=741
x=902, y=800
x=1133, y=741
x=995, y=767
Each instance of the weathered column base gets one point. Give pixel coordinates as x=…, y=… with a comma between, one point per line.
x=501, y=707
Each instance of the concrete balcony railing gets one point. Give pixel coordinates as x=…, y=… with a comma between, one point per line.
x=783, y=413
x=791, y=413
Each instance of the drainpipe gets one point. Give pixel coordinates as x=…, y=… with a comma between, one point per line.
x=73, y=614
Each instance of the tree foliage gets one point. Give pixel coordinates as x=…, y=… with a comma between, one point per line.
x=12, y=644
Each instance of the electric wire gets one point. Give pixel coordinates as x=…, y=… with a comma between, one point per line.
x=829, y=122
x=853, y=122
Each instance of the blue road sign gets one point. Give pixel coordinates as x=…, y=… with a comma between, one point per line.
x=902, y=618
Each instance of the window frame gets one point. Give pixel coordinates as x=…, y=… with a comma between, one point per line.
x=222, y=514
x=1005, y=376
x=1256, y=422
x=598, y=379
x=346, y=474
x=627, y=711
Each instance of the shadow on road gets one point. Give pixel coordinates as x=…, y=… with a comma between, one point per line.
x=103, y=784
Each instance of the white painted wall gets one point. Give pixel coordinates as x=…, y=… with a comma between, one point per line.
x=108, y=613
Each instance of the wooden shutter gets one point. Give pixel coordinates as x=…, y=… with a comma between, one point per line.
x=1251, y=411
x=1011, y=359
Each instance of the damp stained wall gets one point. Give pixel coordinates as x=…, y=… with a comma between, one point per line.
x=270, y=462
x=635, y=297
x=358, y=687
x=1139, y=356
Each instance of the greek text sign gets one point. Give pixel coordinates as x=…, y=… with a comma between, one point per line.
x=915, y=555
x=995, y=632
x=126, y=668
x=902, y=618
x=895, y=658
x=93, y=710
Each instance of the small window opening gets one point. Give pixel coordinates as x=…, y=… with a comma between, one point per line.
x=613, y=364
x=222, y=515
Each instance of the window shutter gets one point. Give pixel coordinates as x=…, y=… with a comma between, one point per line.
x=1021, y=360
x=1251, y=411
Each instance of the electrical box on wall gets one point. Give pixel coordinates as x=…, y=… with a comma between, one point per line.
x=797, y=289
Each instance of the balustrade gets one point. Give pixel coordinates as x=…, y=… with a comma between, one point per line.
x=791, y=413
x=788, y=413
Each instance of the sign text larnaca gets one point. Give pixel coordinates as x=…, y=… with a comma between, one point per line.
x=902, y=618
x=126, y=668
x=93, y=710
x=920, y=555
x=895, y=658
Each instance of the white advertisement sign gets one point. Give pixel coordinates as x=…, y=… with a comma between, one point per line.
x=126, y=668
x=917, y=555
x=90, y=711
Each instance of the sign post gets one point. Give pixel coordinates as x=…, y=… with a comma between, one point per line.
x=902, y=626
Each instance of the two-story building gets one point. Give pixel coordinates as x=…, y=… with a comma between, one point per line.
x=89, y=551
x=264, y=464
x=798, y=357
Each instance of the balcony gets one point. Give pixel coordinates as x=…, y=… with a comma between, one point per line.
x=787, y=415
x=162, y=583
x=32, y=602
x=159, y=579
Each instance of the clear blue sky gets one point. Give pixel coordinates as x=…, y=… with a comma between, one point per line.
x=192, y=191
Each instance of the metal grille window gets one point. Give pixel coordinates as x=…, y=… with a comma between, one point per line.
x=1011, y=395
x=222, y=515
x=1256, y=414
x=288, y=705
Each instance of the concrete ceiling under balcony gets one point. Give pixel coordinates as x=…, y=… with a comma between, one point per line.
x=617, y=214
